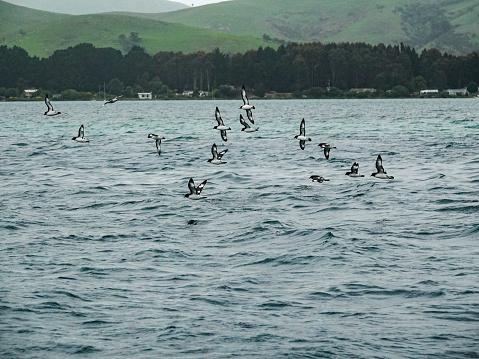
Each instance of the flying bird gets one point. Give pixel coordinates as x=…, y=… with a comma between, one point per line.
x=157, y=141
x=302, y=135
x=327, y=147
x=246, y=126
x=221, y=126
x=50, y=111
x=112, y=100
x=319, y=179
x=354, y=171
x=195, y=192
x=81, y=135
x=216, y=160
x=381, y=173
x=246, y=106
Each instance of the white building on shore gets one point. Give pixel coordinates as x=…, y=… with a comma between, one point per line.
x=455, y=92
x=425, y=93
x=145, y=95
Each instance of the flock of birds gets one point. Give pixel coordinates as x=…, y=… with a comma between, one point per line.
x=195, y=191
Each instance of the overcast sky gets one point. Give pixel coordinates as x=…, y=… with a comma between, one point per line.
x=198, y=2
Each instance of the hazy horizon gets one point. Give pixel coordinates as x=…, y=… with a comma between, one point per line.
x=91, y=7
x=199, y=2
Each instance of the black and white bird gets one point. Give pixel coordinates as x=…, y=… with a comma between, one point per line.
x=381, y=173
x=247, y=127
x=50, y=111
x=157, y=141
x=246, y=106
x=327, y=147
x=195, y=192
x=316, y=178
x=81, y=135
x=221, y=126
x=216, y=160
x=302, y=135
x=112, y=100
x=155, y=136
x=354, y=171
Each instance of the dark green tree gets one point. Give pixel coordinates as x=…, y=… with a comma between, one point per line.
x=472, y=87
x=115, y=87
x=12, y=92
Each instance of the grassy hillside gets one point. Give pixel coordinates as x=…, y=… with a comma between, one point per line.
x=450, y=25
x=239, y=25
x=14, y=17
x=84, y=7
x=103, y=30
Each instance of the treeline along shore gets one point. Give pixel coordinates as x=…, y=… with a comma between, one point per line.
x=309, y=70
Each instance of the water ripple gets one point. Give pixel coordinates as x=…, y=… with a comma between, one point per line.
x=104, y=257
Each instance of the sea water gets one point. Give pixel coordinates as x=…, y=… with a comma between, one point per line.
x=102, y=256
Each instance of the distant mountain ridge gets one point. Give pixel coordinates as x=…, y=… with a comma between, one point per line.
x=240, y=25
x=40, y=33
x=449, y=25
x=82, y=7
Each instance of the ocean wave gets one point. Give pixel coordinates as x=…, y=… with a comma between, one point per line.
x=104, y=257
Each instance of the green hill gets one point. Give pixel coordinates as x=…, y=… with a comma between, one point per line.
x=450, y=25
x=48, y=33
x=241, y=25
x=14, y=17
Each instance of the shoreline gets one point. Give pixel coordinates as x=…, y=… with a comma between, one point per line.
x=239, y=99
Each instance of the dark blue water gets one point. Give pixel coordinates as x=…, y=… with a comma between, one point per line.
x=103, y=257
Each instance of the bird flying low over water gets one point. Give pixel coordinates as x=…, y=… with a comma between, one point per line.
x=381, y=173
x=216, y=160
x=195, y=192
x=354, y=171
x=50, y=111
x=246, y=106
x=327, y=147
x=155, y=136
x=302, y=135
x=316, y=178
x=221, y=126
x=247, y=127
x=112, y=100
x=157, y=141
x=81, y=135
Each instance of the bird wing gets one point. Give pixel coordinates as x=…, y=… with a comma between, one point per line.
x=158, y=145
x=249, y=113
x=326, y=152
x=214, y=151
x=218, y=117
x=243, y=96
x=48, y=103
x=302, y=128
x=223, y=135
x=191, y=186
x=379, y=165
x=355, y=168
x=302, y=144
x=243, y=122
x=81, y=131
x=200, y=187
x=221, y=154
